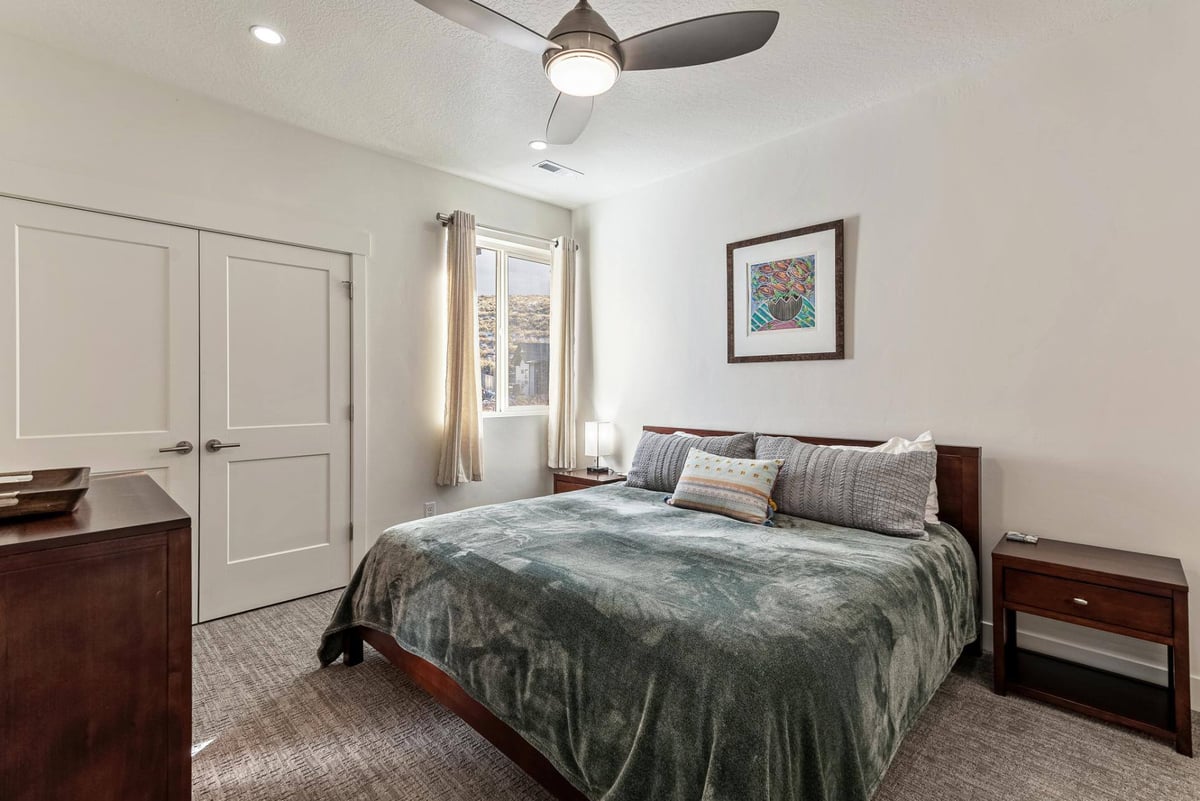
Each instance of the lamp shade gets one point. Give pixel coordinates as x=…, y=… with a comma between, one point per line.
x=582, y=73
x=597, y=438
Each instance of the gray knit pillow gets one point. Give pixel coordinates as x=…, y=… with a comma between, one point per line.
x=659, y=458
x=883, y=492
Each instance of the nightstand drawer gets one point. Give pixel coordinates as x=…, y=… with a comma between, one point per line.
x=1132, y=610
x=569, y=486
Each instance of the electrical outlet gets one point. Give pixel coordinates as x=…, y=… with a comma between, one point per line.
x=430, y=508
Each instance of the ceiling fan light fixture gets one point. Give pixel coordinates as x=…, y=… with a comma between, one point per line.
x=582, y=73
x=583, y=56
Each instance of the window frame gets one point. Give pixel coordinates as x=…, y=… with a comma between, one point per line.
x=528, y=250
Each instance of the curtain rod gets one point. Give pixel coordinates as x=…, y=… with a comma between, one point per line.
x=444, y=219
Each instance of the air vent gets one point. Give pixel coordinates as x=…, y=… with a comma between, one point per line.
x=555, y=168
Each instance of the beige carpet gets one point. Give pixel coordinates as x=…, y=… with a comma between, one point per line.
x=274, y=727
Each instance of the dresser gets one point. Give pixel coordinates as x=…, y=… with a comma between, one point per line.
x=1132, y=594
x=95, y=649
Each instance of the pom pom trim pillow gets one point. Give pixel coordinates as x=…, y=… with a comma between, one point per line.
x=737, y=488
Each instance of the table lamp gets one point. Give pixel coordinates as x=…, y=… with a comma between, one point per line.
x=597, y=441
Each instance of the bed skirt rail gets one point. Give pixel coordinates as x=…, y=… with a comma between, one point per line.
x=449, y=694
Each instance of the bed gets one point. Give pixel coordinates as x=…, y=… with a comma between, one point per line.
x=618, y=648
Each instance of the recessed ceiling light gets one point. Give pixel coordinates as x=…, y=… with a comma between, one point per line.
x=538, y=144
x=266, y=35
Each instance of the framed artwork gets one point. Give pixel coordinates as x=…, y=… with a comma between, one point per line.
x=786, y=296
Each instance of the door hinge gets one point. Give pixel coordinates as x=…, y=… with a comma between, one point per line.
x=352, y=532
x=349, y=288
x=350, y=412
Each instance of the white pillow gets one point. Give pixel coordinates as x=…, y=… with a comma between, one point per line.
x=902, y=445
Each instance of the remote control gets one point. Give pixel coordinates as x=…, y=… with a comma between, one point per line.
x=1017, y=536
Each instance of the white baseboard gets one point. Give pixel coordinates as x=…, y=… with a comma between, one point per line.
x=1094, y=657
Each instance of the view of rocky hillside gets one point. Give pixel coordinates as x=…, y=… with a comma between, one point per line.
x=528, y=322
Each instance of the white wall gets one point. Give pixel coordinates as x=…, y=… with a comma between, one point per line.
x=72, y=117
x=1021, y=275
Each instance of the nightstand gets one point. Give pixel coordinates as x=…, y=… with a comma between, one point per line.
x=571, y=480
x=1127, y=593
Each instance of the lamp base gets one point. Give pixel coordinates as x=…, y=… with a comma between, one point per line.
x=599, y=470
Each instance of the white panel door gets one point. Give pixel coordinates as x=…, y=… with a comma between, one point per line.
x=275, y=399
x=99, y=345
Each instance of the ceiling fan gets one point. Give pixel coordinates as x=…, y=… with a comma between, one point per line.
x=583, y=56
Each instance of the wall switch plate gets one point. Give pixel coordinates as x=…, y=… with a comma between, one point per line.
x=430, y=508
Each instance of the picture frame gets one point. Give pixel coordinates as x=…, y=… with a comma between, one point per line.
x=786, y=295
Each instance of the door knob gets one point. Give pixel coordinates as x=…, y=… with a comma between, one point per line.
x=215, y=445
x=183, y=446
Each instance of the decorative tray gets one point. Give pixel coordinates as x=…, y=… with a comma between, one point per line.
x=42, y=492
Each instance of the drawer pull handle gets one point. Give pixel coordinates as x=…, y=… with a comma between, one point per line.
x=1080, y=601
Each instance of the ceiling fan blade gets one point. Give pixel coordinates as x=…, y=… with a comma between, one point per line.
x=480, y=18
x=699, y=41
x=568, y=118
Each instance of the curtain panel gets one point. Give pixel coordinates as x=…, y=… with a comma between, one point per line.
x=561, y=425
x=462, y=449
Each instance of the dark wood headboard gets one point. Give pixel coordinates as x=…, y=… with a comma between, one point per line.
x=957, y=477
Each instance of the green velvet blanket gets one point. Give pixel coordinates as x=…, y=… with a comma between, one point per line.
x=659, y=653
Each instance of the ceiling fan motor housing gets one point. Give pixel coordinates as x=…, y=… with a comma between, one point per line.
x=583, y=30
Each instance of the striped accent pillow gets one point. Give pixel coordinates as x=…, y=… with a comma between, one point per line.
x=737, y=488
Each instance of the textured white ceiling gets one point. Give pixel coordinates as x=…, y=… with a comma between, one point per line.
x=393, y=76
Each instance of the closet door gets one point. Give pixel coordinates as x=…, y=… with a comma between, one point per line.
x=99, y=345
x=275, y=395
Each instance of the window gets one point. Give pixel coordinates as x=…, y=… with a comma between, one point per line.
x=513, y=292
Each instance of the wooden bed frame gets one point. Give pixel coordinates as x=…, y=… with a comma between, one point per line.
x=958, y=501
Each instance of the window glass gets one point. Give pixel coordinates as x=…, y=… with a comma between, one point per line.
x=485, y=291
x=528, y=332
